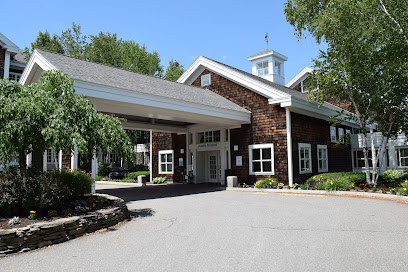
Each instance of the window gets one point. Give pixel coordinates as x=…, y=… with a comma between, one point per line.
x=333, y=137
x=166, y=161
x=205, y=80
x=322, y=158
x=208, y=136
x=305, y=158
x=112, y=157
x=358, y=158
x=277, y=70
x=261, y=159
x=262, y=68
x=402, y=156
x=50, y=155
x=341, y=135
x=348, y=132
x=14, y=76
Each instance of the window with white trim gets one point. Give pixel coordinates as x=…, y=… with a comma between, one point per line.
x=277, y=68
x=322, y=161
x=209, y=136
x=261, y=159
x=348, y=132
x=341, y=135
x=333, y=136
x=262, y=68
x=14, y=76
x=358, y=158
x=50, y=155
x=205, y=80
x=166, y=161
x=305, y=158
x=402, y=156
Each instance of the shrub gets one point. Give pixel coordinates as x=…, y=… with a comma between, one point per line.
x=392, y=178
x=319, y=186
x=134, y=175
x=305, y=186
x=159, y=180
x=139, y=168
x=352, y=177
x=104, y=168
x=266, y=183
x=338, y=184
x=22, y=190
x=404, y=190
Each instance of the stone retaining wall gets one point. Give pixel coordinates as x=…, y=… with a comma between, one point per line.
x=48, y=233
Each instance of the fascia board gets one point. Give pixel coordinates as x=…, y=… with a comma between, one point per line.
x=313, y=110
x=299, y=77
x=122, y=95
x=270, y=53
x=252, y=84
x=41, y=61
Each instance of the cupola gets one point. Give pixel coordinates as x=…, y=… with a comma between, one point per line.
x=269, y=64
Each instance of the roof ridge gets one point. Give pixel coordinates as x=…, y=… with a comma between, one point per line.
x=119, y=68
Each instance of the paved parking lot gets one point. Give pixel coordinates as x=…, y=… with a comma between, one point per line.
x=197, y=228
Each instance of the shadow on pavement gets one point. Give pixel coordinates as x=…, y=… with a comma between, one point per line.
x=141, y=213
x=161, y=191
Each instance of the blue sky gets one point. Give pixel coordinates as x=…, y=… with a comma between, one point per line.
x=227, y=31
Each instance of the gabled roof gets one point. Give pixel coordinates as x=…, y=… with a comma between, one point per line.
x=271, y=90
x=302, y=75
x=96, y=73
x=8, y=44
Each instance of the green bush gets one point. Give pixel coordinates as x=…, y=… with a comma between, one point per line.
x=392, y=178
x=104, y=168
x=134, y=175
x=404, y=188
x=353, y=177
x=266, y=183
x=139, y=168
x=338, y=184
x=159, y=180
x=320, y=186
x=23, y=190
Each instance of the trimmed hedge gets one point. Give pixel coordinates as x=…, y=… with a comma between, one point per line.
x=341, y=181
x=134, y=175
x=22, y=190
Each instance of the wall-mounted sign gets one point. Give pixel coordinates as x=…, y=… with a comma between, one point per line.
x=181, y=161
x=181, y=151
x=207, y=145
x=235, y=147
x=238, y=160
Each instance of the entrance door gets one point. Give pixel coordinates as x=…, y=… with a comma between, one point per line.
x=213, y=167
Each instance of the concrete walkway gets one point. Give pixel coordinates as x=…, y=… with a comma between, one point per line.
x=197, y=228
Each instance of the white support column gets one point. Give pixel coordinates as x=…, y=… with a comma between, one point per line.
x=151, y=155
x=6, y=65
x=187, y=152
x=289, y=145
x=45, y=165
x=74, y=158
x=94, y=169
x=195, y=165
x=60, y=160
x=29, y=159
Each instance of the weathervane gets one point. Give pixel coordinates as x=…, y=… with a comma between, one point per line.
x=266, y=40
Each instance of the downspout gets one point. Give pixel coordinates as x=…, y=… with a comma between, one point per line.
x=289, y=146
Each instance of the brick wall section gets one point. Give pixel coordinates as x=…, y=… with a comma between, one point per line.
x=2, y=57
x=317, y=132
x=161, y=141
x=268, y=126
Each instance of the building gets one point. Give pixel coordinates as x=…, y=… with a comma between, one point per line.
x=215, y=121
x=12, y=60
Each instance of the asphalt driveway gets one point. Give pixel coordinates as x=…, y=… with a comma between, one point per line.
x=197, y=228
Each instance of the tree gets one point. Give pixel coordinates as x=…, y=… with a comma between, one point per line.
x=48, y=114
x=174, y=70
x=366, y=63
x=74, y=42
x=46, y=42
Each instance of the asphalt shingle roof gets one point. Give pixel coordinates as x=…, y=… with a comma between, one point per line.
x=97, y=73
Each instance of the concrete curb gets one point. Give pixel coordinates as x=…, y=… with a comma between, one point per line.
x=398, y=198
x=118, y=183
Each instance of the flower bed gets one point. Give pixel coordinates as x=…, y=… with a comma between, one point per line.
x=43, y=234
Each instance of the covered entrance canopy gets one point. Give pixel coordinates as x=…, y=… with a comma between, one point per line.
x=147, y=102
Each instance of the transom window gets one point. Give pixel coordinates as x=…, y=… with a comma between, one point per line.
x=208, y=137
x=305, y=158
x=14, y=76
x=277, y=68
x=322, y=158
x=205, y=80
x=262, y=68
x=166, y=161
x=402, y=156
x=333, y=137
x=261, y=160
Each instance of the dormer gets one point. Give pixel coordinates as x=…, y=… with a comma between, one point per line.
x=269, y=64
